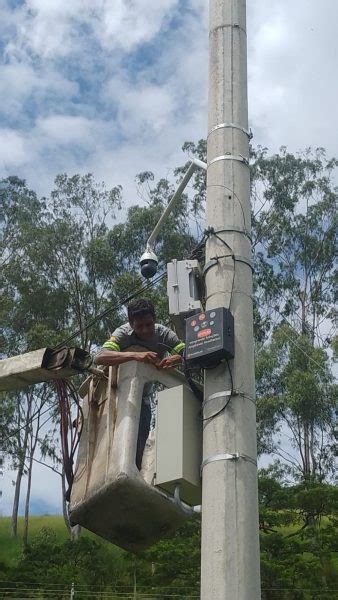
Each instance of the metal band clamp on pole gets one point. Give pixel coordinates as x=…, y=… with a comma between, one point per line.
x=214, y=261
x=234, y=456
x=229, y=156
x=223, y=394
x=230, y=126
x=227, y=394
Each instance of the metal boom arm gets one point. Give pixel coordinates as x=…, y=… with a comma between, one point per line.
x=45, y=364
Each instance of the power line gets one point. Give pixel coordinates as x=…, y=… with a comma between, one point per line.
x=276, y=310
x=292, y=341
x=36, y=415
x=134, y=292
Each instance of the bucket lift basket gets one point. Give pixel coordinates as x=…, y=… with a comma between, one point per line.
x=110, y=496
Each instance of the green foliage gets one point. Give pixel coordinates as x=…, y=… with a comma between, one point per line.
x=294, y=233
x=45, y=561
x=177, y=560
x=298, y=550
x=52, y=277
x=50, y=561
x=295, y=390
x=294, y=202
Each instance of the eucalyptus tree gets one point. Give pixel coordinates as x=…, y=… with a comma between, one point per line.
x=294, y=201
x=51, y=285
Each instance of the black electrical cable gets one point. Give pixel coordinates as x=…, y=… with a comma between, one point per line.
x=66, y=388
x=211, y=231
x=79, y=416
x=229, y=399
x=134, y=292
x=192, y=384
x=35, y=416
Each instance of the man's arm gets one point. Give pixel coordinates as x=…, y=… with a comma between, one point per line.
x=170, y=361
x=176, y=348
x=113, y=357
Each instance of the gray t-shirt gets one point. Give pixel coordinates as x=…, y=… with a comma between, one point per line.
x=163, y=342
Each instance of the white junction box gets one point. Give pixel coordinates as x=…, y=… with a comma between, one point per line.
x=184, y=289
x=179, y=443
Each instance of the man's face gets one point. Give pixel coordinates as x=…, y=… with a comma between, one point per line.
x=144, y=327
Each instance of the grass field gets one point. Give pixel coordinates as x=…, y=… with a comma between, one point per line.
x=10, y=548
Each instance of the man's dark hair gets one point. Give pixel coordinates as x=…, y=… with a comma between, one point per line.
x=140, y=308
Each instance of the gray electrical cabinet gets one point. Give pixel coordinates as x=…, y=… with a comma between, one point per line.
x=179, y=443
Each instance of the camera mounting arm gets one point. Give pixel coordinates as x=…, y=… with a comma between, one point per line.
x=194, y=164
x=148, y=260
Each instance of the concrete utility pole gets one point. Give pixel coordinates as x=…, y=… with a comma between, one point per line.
x=230, y=544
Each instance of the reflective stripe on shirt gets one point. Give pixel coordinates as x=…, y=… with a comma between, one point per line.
x=178, y=349
x=112, y=346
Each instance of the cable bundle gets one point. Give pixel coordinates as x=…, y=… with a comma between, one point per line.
x=70, y=430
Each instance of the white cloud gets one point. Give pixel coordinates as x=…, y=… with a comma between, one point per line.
x=141, y=108
x=292, y=90
x=145, y=113
x=66, y=129
x=128, y=23
x=50, y=29
x=21, y=84
x=13, y=150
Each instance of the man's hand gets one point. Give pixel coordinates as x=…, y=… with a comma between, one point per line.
x=170, y=362
x=147, y=357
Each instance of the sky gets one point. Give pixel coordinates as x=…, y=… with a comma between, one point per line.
x=115, y=87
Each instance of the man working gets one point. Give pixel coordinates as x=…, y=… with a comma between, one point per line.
x=142, y=330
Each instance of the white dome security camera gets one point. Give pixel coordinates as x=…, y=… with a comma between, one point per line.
x=149, y=264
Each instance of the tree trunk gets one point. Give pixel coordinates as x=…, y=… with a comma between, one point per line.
x=306, y=428
x=28, y=494
x=312, y=452
x=14, y=523
x=307, y=458
x=32, y=447
x=23, y=450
